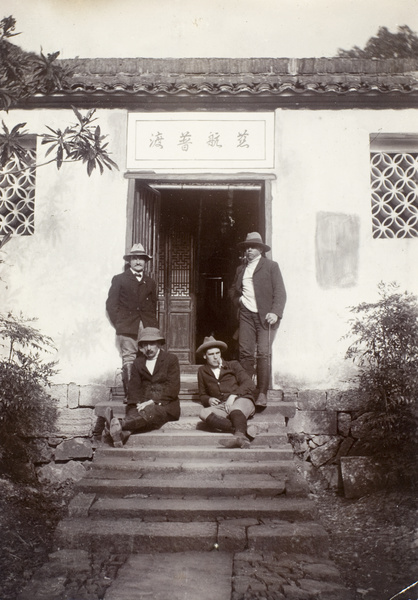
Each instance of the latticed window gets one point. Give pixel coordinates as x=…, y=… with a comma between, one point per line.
x=17, y=194
x=394, y=181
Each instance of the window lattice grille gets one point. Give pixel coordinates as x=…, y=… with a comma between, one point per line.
x=17, y=196
x=394, y=179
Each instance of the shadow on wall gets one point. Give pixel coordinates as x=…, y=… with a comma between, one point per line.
x=336, y=249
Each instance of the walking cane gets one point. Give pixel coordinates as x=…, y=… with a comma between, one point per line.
x=269, y=356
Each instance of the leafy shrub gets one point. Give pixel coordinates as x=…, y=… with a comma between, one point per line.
x=26, y=408
x=386, y=353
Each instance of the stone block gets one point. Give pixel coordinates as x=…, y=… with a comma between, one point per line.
x=343, y=423
x=326, y=590
x=232, y=534
x=346, y=401
x=312, y=400
x=74, y=448
x=80, y=505
x=325, y=453
x=313, y=422
x=90, y=395
x=60, y=394
x=73, y=395
x=75, y=422
x=330, y=473
x=362, y=475
x=71, y=471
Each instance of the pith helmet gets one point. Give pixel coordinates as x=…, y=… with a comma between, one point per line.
x=254, y=239
x=210, y=342
x=137, y=250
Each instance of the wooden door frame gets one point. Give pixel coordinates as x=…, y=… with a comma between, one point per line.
x=204, y=178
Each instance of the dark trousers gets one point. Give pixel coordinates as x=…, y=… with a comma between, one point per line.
x=254, y=337
x=151, y=417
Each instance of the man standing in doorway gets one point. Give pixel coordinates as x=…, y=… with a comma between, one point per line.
x=131, y=306
x=258, y=292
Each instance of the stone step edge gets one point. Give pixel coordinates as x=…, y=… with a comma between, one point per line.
x=184, y=510
x=135, y=536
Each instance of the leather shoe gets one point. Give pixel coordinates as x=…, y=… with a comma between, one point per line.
x=261, y=401
x=252, y=431
x=108, y=416
x=238, y=441
x=118, y=436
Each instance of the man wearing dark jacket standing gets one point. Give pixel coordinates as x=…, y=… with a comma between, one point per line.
x=131, y=306
x=153, y=390
x=227, y=394
x=258, y=292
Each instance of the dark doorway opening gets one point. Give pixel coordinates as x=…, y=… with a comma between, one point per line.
x=199, y=229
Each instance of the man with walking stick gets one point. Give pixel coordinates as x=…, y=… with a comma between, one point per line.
x=259, y=294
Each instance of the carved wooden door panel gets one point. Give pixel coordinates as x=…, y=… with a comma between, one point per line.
x=176, y=286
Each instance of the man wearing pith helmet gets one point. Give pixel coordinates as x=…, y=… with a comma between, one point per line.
x=153, y=390
x=131, y=306
x=259, y=294
x=227, y=394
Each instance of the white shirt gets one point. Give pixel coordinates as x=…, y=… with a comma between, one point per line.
x=137, y=275
x=150, y=364
x=216, y=372
x=248, y=293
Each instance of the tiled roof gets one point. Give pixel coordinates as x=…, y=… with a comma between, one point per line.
x=237, y=76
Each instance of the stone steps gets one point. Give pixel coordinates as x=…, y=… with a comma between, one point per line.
x=203, y=509
x=190, y=407
x=178, y=490
x=134, y=536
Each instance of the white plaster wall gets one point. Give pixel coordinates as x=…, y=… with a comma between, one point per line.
x=61, y=274
x=323, y=164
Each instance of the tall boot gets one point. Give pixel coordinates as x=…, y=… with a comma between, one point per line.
x=126, y=375
x=239, y=423
x=263, y=381
x=220, y=423
x=248, y=365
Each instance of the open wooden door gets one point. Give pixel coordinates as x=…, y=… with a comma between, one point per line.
x=146, y=224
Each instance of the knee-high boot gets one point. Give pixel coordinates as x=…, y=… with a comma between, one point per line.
x=126, y=375
x=263, y=375
x=220, y=423
x=240, y=439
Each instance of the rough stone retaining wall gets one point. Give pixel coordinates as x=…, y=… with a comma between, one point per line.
x=64, y=453
x=327, y=431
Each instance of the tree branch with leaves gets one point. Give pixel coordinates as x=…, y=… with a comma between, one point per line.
x=24, y=74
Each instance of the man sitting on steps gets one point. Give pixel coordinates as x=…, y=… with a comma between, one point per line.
x=153, y=390
x=227, y=392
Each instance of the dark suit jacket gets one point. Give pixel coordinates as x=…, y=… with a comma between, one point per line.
x=130, y=302
x=233, y=379
x=163, y=386
x=270, y=293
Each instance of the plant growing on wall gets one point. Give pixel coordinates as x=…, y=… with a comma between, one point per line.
x=26, y=408
x=24, y=74
x=385, y=351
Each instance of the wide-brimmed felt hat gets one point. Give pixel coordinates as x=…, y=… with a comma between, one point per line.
x=150, y=334
x=137, y=250
x=254, y=239
x=210, y=342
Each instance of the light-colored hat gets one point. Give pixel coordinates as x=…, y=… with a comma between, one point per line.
x=210, y=342
x=254, y=239
x=150, y=334
x=137, y=250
